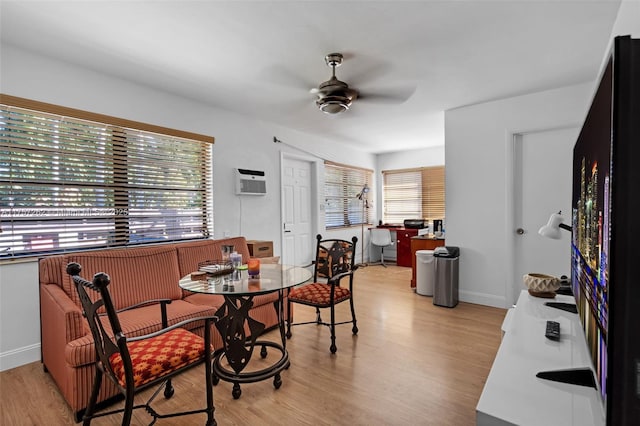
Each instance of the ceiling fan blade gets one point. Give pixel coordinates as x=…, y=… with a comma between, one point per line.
x=397, y=95
x=368, y=76
x=280, y=76
x=364, y=69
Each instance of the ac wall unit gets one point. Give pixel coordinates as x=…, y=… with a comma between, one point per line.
x=250, y=182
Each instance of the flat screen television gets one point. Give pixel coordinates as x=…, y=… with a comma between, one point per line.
x=605, y=249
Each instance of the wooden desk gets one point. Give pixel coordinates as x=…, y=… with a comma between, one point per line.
x=421, y=243
x=404, y=236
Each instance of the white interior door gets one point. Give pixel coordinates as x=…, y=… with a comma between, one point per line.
x=542, y=186
x=298, y=243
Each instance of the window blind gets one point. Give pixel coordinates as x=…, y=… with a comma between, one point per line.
x=342, y=185
x=70, y=183
x=413, y=193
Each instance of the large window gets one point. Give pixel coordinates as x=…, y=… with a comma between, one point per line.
x=413, y=194
x=342, y=186
x=71, y=180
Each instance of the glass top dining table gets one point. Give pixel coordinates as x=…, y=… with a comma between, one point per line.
x=238, y=290
x=273, y=277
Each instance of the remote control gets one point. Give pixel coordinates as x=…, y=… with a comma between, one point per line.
x=569, y=307
x=553, y=330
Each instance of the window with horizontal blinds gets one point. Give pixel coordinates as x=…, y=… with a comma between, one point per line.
x=69, y=183
x=413, y=194
x=342, y=186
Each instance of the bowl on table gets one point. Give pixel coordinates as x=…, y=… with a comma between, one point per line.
x=541, y=285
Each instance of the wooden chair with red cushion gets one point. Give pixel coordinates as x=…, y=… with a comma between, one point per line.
x=137, y=363
x=335, y=262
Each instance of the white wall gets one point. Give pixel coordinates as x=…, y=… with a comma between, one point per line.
x=425, y=157
x=627, y=23
x=240, y=143
x=476, y=141
x=476, y=152
x=19, y=314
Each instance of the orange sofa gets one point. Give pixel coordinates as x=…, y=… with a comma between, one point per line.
x=137, y=274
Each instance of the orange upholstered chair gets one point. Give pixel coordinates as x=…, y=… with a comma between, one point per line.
x=335, y=262
x=139, y=362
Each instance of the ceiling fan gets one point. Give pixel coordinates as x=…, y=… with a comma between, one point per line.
x=335, y=96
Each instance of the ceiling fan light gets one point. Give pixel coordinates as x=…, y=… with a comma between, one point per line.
x=333, y=108
x=333, y=104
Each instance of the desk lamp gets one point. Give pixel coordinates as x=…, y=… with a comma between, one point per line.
x=552, y=228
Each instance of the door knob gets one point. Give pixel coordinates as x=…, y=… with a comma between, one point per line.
x=520, y=231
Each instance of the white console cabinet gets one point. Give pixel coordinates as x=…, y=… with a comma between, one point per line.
x=513, y=395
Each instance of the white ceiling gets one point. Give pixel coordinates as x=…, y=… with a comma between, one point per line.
x=260, y=58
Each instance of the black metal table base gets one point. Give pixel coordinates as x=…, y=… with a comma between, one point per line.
x=238, y=348
x=220, y=372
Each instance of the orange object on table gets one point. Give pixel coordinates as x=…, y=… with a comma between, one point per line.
x=253, y=266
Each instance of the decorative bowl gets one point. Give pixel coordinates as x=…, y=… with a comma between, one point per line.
x=541, y=285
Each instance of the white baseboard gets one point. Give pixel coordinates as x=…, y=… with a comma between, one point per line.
x=482, y=299
x=21, y=356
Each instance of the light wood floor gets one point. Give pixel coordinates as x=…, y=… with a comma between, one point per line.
x=412, y=363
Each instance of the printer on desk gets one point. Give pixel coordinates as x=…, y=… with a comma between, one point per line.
x=425, y=228
x=414, y=223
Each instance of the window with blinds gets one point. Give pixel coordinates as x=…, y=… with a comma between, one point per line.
x=68, y=182
x=413, y=194
x=342, y=186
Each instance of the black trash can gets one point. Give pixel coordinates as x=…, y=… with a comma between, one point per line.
x=445, y=291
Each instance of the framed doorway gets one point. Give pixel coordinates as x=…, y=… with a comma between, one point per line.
x=299, y=208
x=539, y=183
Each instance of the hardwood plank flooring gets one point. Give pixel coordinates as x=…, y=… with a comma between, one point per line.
x=412, y=363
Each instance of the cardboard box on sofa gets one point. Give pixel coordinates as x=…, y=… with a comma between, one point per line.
x=260, y=248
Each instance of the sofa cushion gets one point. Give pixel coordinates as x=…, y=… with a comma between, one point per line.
x=213, y=301
x=194, y=252
x=239, y=243
x=190, y=254
x=136, y=275
x=216, y=300
x=51, y=270
x=263, y=299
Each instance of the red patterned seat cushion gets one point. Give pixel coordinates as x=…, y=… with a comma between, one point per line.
x=158, y=356
x=318, y=294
